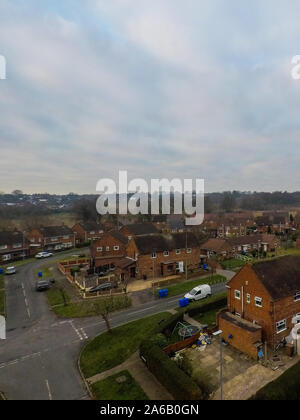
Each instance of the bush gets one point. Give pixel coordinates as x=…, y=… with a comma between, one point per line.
x=159, y=340
x=215, y=302
x=180, y=385
x=286, y=387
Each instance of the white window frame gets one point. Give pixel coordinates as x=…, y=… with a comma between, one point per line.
x=237, y=294
x=3, y=246
x=166, y=253
x=283, y=322
x=258, y=299
x=116, y=248
x=153, y=255
x=189, y=250
x=178, y=251
x=99, y=249
x=248, y=298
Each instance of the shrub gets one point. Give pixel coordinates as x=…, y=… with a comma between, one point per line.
x=159, y=340
x=286, y=387
x=180, y=385
x=215, y=302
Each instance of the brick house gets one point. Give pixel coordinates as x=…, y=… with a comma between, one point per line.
x=227, y=248
x=52, y=238
x=165, y=254
x=138, y=229
x=218, y=247
x=13, y=246
x=110, y=248
x=265, y=295
x=87, y=232
x=263, y=242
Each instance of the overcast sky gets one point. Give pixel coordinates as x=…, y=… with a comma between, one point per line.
x=161, y=88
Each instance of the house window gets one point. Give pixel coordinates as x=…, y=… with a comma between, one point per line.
x=153, y=255
x=297, y=296
x=53, y=239
x=281, y=326
x=17, y=245
x=3, y=246
x=189, y=250
x=248, y=298
x=116, y=248
x=237, y=314
x=107, y=248
x=166, y=253
x=177, y=251
x=92, y=232
x=258, y=301
x=237, y=294
x=99, y=249
x=66, y=237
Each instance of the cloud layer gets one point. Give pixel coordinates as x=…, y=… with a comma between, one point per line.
x=162, y=89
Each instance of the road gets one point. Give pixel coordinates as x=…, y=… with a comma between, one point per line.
x=38, y=360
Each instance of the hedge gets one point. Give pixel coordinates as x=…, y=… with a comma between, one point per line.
x=286, y=387
x=174, y=379
x=178, y=383
x=215, y=302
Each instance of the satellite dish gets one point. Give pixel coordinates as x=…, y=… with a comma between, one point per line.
x=2, y=328
x=296, y=332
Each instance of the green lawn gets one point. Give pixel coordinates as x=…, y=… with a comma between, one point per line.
x=186, y=286
x=82, y=309
x=109, y=389
x=46, y=272
x=232, y=264
x=56, y=296
x=110, y=349
x=208, y=317
x=18, y=263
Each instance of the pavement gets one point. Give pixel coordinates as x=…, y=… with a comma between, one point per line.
x=38, y=360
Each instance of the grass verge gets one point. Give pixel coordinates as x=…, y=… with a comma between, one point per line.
x=185, y=287
x=110, y=389
x=111, y=349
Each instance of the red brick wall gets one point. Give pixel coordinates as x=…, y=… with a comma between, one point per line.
x=146, y=264
x=266, y=316
x=85, y=236
x=242, y=339
x=105, y=257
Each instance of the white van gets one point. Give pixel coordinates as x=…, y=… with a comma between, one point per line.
x=199, y=292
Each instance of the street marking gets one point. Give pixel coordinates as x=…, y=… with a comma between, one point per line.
x=76, y=330
x=26, y=302
x=48, y=388
x=84, y=333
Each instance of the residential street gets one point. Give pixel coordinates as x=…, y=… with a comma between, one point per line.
x=38, y=360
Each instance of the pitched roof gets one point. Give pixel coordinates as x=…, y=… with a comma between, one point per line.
x=51, y=231
x=215, y=244
x=10, y=237
x=91, y=226
x=119, y=236
x=165, y=242
x=142, y=228
x=281, y=276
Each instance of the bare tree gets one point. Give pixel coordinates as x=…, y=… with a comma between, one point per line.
x=103, y=307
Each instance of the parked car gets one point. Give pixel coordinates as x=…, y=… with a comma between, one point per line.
x=199, y=292
x=44, y=254
x=10, y=270
x=42, y=285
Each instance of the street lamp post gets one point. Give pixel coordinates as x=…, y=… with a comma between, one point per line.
x=218, y=333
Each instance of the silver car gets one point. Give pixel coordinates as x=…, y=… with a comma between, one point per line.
x=10, y=270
